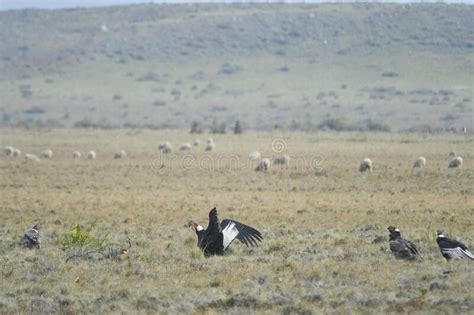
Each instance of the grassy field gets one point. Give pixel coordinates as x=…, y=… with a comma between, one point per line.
x=325, y=246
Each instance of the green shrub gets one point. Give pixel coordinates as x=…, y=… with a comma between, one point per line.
x=80, y=242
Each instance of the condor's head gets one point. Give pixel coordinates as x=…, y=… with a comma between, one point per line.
x=394, y=232
x=195, y=226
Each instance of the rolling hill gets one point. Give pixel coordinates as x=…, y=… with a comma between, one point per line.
x=333, y=66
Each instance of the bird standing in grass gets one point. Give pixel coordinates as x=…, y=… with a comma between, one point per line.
x=452, y=249
x=219, y=235
x=32, y=238
x=400, y=247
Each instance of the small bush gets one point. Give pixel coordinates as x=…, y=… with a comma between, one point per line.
x=237, y=128
x=389, y=74
x=218, y=128
x=149, y=77
x=336, y=124
x=81, y=243
x=85, y=123
x=25, y=91
x=80, y=237
x=376, y=126
x=229, y=69
x=159, y=103
x=195, y=128
x=34, y=110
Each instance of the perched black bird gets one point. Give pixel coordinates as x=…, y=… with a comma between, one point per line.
x=452, y=249
x=219, y=235
x=400, y=247
x=32, y=238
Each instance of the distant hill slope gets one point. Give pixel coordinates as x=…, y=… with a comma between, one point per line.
x=295, y=66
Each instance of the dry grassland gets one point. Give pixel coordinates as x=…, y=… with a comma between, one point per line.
x=324, y=223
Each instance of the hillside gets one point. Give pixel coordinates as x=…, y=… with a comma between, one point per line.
x=294, y=66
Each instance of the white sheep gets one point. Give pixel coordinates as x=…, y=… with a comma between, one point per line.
x=8, y=150
x=31, y=157
x=420, y=162
x=76, y=155
x=456, y=162
x=365, y=165
x=91, y=155
x=210, y=145
x=255, y=155
x=263, y=165
x=197, y=142
x=47, y=154
x=165, y=147
x=282, y=159
x=185, y=147
x=16, y=152
x=120, y=154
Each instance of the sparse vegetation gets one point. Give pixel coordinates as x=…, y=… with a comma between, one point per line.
x=237, y=128
x=337, y=124
x=268, y=50
x=195, y=128
x=338, y=76
x=325, y=240
x=218, y=128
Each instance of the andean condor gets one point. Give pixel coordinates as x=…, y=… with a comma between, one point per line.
x=32, y=238
x=219, y=235
x=452, y=249
x=400, y=247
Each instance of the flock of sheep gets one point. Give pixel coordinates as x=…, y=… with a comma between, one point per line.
x=420, y=162
x=48, y=154
x=166, y=147
x=263, y=165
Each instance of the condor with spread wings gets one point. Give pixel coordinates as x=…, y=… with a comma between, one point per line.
x=219, y=235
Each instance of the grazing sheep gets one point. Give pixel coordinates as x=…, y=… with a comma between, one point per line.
x=165, y=147
x=365, y=165
x=31, y=157
x=282, y=159
x=255, y=155
x=47, y=154
x=185, y=147
x=8, y=150
x=263, y=165
x=197, y=142
x=120, y=154
x=91, y=155
x=76, y=155
x=452, y=154
x=420, y=162
x=456, y=162
x=210, y=145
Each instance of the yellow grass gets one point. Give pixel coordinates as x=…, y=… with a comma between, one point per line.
x=318, y=220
